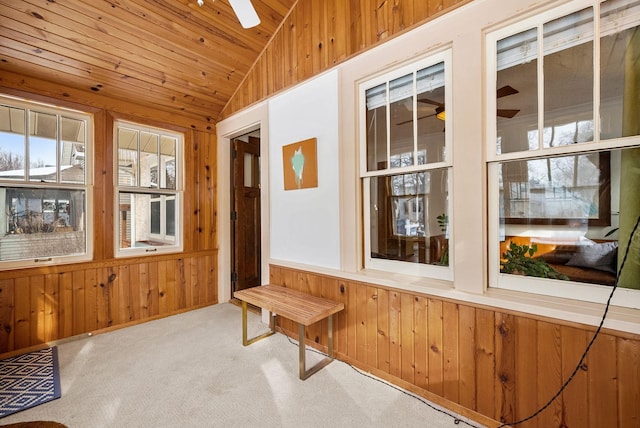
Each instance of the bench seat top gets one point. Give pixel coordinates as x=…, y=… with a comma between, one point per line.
x=294, y=305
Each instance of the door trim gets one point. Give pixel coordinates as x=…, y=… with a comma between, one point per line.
x=239, y=124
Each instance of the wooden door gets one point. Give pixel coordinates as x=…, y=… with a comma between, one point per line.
x=245, y=217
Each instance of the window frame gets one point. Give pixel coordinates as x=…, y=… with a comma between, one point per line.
x=156, y=193
x=57, y=184
x=396, y=266
x=593, y=293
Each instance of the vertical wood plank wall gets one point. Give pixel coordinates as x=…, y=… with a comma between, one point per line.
x=42, y=304
x=501, y=364
x=319, y=34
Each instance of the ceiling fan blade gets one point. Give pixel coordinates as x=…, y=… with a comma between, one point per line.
x=507, y=113
x=411, y=120
x=505, y=91
x=432, y=102
x=245, y=12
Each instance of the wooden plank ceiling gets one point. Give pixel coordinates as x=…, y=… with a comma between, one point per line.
x=170, y=55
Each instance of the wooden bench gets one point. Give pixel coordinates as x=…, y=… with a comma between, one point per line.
x=301, y=308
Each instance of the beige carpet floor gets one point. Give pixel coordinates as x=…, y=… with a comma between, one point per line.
x=191, y=370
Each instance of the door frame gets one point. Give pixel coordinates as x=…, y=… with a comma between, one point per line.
x=249, y=120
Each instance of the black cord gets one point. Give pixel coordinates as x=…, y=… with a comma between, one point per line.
x=593, y=339
x=456, y=420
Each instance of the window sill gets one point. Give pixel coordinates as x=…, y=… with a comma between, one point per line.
x=571, y=311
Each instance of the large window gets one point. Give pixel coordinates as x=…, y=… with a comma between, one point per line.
x=44, y=184
x=148, y=165
x=563, y=152
x=405, y=168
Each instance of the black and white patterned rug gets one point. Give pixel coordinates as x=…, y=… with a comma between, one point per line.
x=29, y=380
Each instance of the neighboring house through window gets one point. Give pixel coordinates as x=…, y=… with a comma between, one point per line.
x=44, y=184
x=148, y=190
x=563, y=152
x=405, y=168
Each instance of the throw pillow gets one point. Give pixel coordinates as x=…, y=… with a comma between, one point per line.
x=597, y=256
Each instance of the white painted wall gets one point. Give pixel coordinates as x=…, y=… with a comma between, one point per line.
x=305, y=222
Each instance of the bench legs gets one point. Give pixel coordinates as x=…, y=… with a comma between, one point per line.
x=304, y=373
x=245, y=340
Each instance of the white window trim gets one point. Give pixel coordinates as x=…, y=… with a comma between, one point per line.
x=394, y=266
x=626, y=298
x=87, y=187
x=175, y=244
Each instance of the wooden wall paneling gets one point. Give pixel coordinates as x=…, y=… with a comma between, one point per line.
x=287, y=281
x=153, y=298
x=66, y=327
x=435, y=6
x=37, y=310
x=352, y=319
x=196, y=283
x=505, y=367
x=451, y=351
x=180, y=284
x=102, y=298
x=134, y=283
x=212, y=289
x=102, y=178
x=342, y=329
x=603, y=383
x=360, y=309
x=189, y=285
x=303, y=40
x=574, y=397
x=328, y=289
x=421, y=339
x=122, y=295
x=435, y=346
x=382, y=20
x=500, y=364
x=468, y=352
x=420, y=11
x=319, y=52
x=383, y=329
x=190, y=187
x=79, y=303
x=336, y=39
x=371, y=326
x=356, y=24
x=289, y=31
x=407, y=343
x=90, y=299
x=628, y=352
x=165, y=292
x=144, y=294
x=395, y=334
x=51, y=292
x=319, y=34
x=485, y=362
x=21, y=312
x=313, y=285
x=278, y=53
x=549, y=375
x=7, y=314
x=207, y=190
x=402, y=17
x=526, y=370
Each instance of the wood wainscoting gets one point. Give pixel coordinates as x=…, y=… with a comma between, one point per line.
x=64, y=301
x=501, y=364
